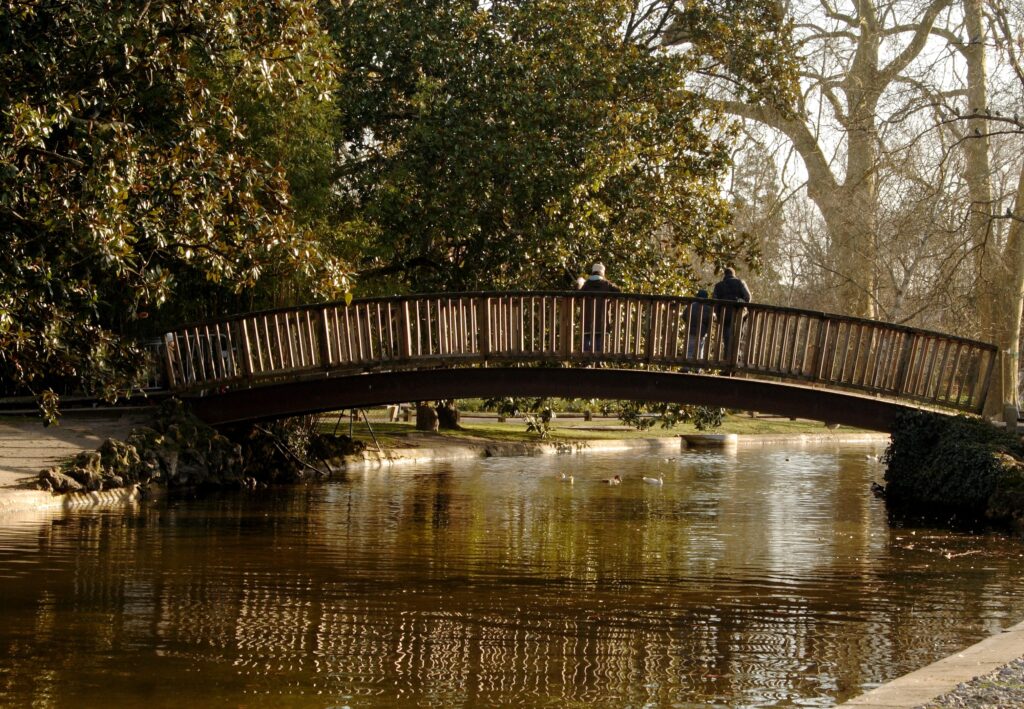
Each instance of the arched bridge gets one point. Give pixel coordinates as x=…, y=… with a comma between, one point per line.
x=792, y=362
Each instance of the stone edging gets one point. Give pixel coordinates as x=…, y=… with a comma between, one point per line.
x=495, y=448
x=938, y=678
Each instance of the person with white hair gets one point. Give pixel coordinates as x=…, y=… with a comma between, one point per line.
x=595, y=313
x=734, y=289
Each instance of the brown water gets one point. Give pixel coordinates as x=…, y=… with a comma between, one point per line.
x=761, y=579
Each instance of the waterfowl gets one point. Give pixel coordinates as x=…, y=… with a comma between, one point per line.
x=615, y=480
x=871, y=458
x=567, y=478
x=877, y=490
x=654, y=481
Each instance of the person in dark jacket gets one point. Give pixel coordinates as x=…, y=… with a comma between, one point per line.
x=698, y=324
x=595, y=313
x=730, y=288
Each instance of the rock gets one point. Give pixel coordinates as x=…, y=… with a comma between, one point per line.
x=57, y=481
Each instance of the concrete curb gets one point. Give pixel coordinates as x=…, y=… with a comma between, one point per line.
x=672, y=443
x=927, y=683
x=402, y=456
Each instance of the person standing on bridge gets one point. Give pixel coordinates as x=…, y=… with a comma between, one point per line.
x=730, y=288
x=699, y=316
x=595, y=314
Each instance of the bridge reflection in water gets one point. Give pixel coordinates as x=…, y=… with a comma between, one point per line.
x=767, y=578
x=423, y=333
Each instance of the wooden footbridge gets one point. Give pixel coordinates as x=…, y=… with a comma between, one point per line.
x=312, y=358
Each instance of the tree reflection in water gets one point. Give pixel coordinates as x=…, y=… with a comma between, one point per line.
x=761, y=578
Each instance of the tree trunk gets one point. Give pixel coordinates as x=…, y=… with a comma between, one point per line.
x=993, y=275
x=1009, y=341
x=426, y=417
x=448, y=415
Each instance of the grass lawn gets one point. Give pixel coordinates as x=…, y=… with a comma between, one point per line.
x=574, y=429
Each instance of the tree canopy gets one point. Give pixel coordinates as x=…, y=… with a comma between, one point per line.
x=125, y=170
x=511, y=144
x=168, y=160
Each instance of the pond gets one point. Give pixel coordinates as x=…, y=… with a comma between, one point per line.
x=764, y=577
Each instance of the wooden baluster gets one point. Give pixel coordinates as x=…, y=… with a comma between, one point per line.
x=171, y=355
x=755, y=353
x=386, y=323
x=482, y=325
x=344, y=319
x=940, y=374
x=988, y=360
x=324, y=338
x=297, y=339
x=954, y=368
x=565, y=325
x=904, y=366
x=925, y=378
x=404, y=332
x=650, y=329
x=794, y=345
x=821, y=343
x=521, y=327
x=245, y=349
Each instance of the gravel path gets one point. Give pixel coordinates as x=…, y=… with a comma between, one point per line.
x=1000, y=689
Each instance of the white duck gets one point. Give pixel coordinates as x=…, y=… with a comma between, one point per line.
x=654, y=481
x=567, y=478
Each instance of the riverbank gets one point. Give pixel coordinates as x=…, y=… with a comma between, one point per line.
x=27, y=447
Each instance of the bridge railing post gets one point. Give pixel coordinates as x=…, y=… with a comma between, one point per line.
x=650, y=329
x=903, y=368
x=404, y=332
x=482, y=306
x=566, y=325
x=325, y=339
x=245, y=349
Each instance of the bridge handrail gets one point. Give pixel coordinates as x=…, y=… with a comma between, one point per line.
x=576, y=293
x=759, y=340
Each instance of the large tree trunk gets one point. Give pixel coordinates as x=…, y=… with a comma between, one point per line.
x=1013, y=300
x=992, y=283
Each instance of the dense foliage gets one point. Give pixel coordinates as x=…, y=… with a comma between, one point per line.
x=175, y=159
x=962, y=468
x=512, y=144
x=125, y=172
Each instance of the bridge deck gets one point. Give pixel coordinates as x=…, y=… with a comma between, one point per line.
x=660, y=333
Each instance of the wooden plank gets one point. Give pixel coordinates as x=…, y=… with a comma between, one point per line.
x=566, y=325
x=985, y=372
x=821, y=342
x=947, y=345
x=953, y=371
x=926, y=380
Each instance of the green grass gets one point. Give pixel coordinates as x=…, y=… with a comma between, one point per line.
x=395, y=434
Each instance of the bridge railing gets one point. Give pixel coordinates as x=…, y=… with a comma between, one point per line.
x=623, y=329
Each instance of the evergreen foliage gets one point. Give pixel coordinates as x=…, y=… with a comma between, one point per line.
x=959, y=468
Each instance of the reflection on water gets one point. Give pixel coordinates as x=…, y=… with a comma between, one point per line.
x=765, y=578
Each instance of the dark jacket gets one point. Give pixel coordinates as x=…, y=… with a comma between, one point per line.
x=731, y=288
x=698, y=317
x=600, y=284
x=595, y=313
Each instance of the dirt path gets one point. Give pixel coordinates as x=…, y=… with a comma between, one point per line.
x=26, y=446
